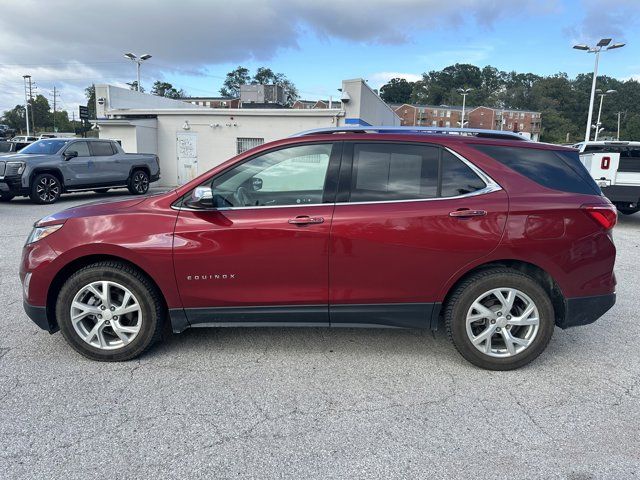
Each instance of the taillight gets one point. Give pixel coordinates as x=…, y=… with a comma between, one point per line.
x=605, y=215
x=605, y=163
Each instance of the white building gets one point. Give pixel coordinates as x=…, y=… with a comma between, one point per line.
x=190, y=139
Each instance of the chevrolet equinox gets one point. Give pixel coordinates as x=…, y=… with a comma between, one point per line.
x=496, y=238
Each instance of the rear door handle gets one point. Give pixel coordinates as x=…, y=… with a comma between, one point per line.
x=305, y=220
x=466, y=213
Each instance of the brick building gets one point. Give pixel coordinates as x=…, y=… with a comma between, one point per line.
x=475, y=117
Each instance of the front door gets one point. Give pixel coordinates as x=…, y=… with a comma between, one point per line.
x=81, y=170
x=407, y=218
x=261, y=255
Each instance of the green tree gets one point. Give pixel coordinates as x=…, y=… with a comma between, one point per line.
x=90, y=93
x=41, y=112
x=397, y=90
x=165, y=89
x=15, y=118
x=235, y=78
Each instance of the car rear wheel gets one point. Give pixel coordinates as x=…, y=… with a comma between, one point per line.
x=6, y=197
x=138, y=182
x=46, y=188
x=499, y=319
x=109, y=311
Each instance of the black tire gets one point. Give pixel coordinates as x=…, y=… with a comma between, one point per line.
x=459, y=304
x=102, y=190
x=138, y=183
x=6, y=197
x=149, y=299
x=45, y=189
x=628, y=210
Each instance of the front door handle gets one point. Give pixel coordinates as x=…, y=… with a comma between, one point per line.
x=305, y=220
x=466, y=213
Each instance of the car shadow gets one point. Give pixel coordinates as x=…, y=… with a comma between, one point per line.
x=86, y=197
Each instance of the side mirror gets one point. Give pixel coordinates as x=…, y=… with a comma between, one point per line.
x=69, y=154
x=256, y=184
x=201, y=198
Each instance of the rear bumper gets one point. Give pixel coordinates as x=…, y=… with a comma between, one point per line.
x=39, y=316
x=622, y=193
x=585, y=310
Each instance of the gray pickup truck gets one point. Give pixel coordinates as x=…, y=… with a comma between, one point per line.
x=47, y=168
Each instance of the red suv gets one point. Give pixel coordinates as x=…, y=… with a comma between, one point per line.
x=497, y=238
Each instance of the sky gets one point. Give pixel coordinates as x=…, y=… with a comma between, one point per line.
x=194, y=43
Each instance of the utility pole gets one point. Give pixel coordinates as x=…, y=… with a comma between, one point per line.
x=26, y=101
x=30, y=101
x=618, y=135
x=55, y=97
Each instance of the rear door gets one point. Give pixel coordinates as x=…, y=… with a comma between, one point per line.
x=407, y=218
x=108, y=167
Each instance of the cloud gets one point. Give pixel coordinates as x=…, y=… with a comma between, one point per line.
x=610, y=19
x=75, y=44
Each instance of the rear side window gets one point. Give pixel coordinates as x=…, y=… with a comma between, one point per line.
x=101, y=149
x=385, y=172
x=555, y=169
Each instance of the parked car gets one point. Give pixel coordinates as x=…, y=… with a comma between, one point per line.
x=494, y=237
x=6, y=132
x=23, y=139
x=616, y=168
x=47, y=168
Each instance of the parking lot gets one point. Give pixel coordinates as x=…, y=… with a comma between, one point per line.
x=316, y=403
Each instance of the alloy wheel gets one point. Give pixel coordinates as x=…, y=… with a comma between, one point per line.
x=48, y=189
x=106, y=315
x=140, y=182
x=502, y=322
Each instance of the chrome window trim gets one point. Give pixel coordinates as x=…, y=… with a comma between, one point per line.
x=491, y=186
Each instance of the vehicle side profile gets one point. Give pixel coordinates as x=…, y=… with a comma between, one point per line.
x=49, y=167
x=494, y=238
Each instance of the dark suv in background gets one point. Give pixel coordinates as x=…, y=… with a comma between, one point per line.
x=49, y=167
x=494, y=237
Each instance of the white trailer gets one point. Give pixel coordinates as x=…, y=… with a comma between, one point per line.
x=615, y=166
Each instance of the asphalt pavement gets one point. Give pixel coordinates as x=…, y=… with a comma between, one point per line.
x=316, y=403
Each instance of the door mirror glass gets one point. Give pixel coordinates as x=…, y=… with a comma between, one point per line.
x=69, y=154
x=201, y=198
x=256, y=184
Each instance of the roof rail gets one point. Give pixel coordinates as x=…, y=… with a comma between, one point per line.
x=478, y=132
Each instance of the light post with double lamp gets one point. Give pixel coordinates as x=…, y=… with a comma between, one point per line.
x=603, y=43
x=137, y=60
x=602, y=95
x=464, y=92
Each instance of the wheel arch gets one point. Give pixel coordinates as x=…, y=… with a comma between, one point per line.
x=70, y=268
x=136, y=167
x=50, y=170
x=540, y=275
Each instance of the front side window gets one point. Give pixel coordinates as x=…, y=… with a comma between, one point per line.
x=387, y=172
x=81, y=147
x=290, y=176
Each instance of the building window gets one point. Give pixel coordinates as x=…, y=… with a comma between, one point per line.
x=521, y=114
x=434, y=123
x=448, y=124
x=448, y=113
x=244, y=144
x=435, y=113
x=510, y=126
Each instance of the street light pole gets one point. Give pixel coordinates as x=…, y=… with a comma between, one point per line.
x=603, y=43
x=26, y=102
x=602, y=95
x=464, y=92
x=138, y=61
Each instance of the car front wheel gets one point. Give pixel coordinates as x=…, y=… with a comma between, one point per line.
x=110, y=311
x=138, y=182
x=500, y=319
x=46, y=188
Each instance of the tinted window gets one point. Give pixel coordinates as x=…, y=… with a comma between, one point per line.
x=394, y=172
x=559, y=170
x=81, y=147
x=291, y=176
x=458, y=178
x=101, y=149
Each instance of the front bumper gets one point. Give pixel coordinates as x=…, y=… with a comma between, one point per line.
x=585, y=310
x=12, y=185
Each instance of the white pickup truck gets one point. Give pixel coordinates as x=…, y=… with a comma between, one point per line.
x=615, y=166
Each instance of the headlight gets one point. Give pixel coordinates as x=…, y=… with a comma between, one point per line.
x=17, y=167
x=38, y=233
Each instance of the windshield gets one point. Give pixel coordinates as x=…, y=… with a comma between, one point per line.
x=47, y=147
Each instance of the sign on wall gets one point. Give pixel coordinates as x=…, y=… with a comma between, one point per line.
x=187, y=154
